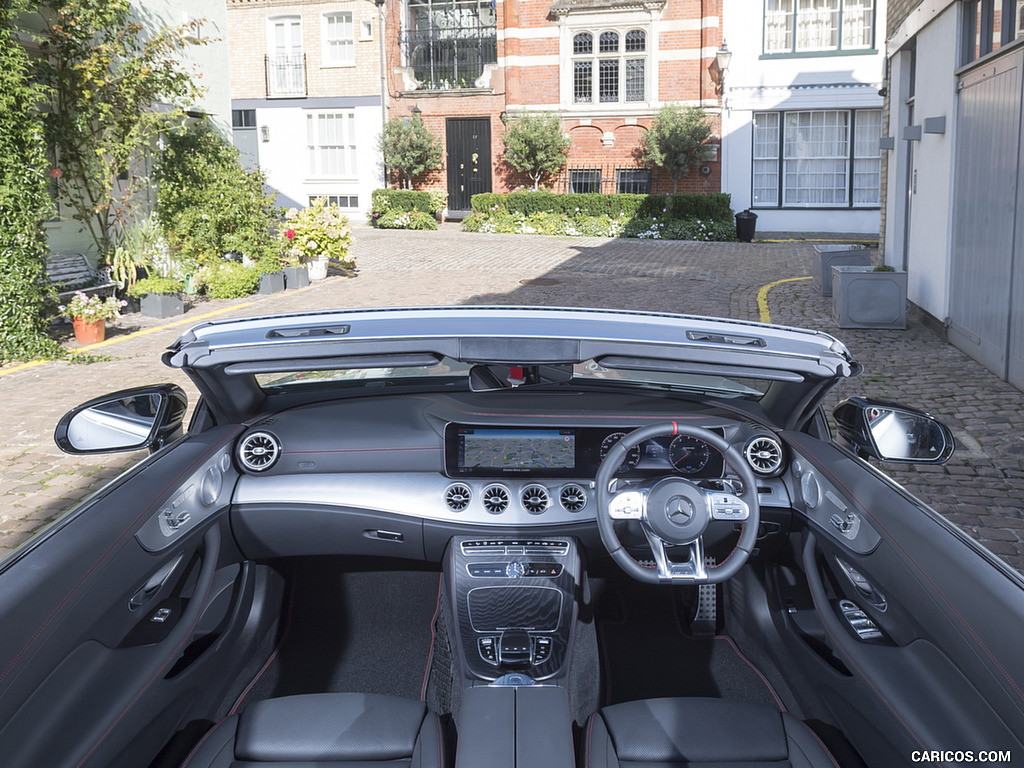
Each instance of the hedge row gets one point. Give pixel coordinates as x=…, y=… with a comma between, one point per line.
x=713, y=207
x=388, y=200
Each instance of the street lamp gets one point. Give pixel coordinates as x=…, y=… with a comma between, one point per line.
x=723, y=58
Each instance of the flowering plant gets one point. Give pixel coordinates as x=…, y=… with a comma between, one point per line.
x=92, y=308
x=319, y=230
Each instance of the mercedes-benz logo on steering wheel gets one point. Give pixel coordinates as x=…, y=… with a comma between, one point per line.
x=679, y=510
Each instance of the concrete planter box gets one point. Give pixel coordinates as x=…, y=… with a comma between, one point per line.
x=863, y=298
x=839, y=255
x=162, y=305
x=295, y=277
x=272, y=282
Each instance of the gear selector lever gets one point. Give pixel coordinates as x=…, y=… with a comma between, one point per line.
x=514, y=648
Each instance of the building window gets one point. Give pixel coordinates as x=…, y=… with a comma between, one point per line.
x=331, y=144
x=342, y=201
x=633, y=181
x=339, y=40
x=286, y=62
x=817, y=159
x=449, y=42
x=989, y=25
x=583, y=180
x=808, y=26
x=620, y=63
x=243, y=118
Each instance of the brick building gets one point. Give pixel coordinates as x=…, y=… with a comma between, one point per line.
x=604, y=66
x=306, y=96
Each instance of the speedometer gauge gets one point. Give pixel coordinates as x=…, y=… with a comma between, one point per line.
x=632, y=455
x=688, y=454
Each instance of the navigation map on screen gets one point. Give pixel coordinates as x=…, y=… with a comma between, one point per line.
x=513, y=449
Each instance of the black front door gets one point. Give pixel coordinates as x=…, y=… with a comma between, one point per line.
x=469, y=160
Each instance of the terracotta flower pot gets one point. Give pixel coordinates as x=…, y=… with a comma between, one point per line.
x=90, y=332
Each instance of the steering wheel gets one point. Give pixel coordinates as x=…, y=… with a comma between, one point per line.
x=674, y=511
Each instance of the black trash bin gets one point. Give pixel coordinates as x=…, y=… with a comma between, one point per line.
x=746, y=223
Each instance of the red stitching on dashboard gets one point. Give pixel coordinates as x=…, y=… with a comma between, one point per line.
x=893, y=540
x=113, y=545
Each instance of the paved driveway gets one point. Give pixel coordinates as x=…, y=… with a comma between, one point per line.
x=981, y=489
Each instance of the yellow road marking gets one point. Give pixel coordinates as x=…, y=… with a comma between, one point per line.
x=762, y=297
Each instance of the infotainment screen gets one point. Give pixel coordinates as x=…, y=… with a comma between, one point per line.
x=491, y=451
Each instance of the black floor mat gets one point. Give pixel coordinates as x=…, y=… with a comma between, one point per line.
x=645, y=654
x=365, y=632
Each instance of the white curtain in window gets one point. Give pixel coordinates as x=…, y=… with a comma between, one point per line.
x=817, y=25
x=857, y=24
x=778, y=26
x=766, y=158
x=816, y=158
x=330, y=143
x=867, y=157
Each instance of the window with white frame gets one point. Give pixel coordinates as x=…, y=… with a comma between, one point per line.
x=823, y=158
x=339, y=39
x=331, y=144
x=286, y=62
x=808, y=26
x=609, y=67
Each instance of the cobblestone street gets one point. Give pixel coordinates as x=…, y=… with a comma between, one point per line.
x=981, y=489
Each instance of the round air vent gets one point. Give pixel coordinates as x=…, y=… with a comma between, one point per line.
x=259, y=451
x=495, y=499
x=457, y=496
x=764, y=454
x=572, y=497
x=535, y=499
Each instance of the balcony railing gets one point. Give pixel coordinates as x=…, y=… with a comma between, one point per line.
x=450, y=57
x=286, y=75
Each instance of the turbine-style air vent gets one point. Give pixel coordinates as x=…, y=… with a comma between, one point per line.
x=764, y=454
x=457, y=496
x=259, y=451
x=572, y=497
x=535, y=499
x=495, y=499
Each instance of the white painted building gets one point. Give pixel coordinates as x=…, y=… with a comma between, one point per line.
x=306, y=97
x=802, y=113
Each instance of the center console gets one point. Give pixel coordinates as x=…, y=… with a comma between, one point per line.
x=514, y=608
x=514, y=603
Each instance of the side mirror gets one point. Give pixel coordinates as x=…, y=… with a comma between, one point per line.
x=129, y=420
x=890, y=432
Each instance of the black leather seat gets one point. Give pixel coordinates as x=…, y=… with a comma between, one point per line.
x=672, y=733
x=340, y=730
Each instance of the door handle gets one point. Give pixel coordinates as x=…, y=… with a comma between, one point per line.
x=154, y=584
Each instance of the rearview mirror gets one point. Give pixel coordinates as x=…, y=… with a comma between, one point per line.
x=891, y=432
x=129, y=420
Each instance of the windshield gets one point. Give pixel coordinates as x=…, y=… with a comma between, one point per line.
x=449, y=370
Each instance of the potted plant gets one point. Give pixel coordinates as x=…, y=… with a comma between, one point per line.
x=161, y=296
x=90, y=314
x=315, y=236
x=869, y=297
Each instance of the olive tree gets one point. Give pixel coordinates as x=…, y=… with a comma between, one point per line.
x=409, y=147
x=536, y=146
x=676, y=141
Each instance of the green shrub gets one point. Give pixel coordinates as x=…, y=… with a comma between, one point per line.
x=26, y=298
x=407, y=220
x=385, y=201
x=208, y=204
x=230, y=280
x=155, y=284
x=713, y=206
